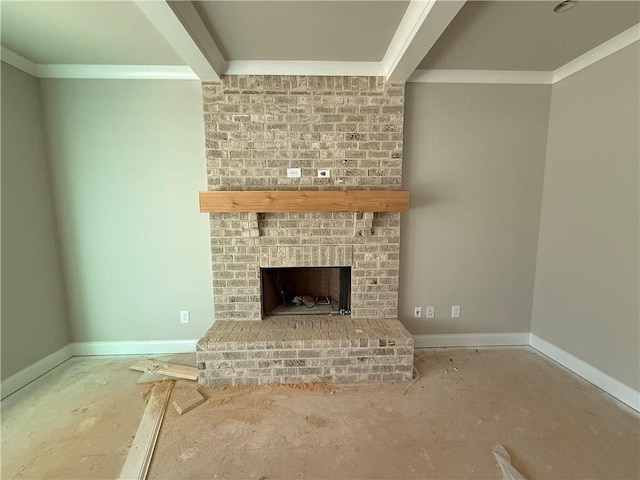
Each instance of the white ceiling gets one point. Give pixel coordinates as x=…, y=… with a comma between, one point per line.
x=356, y=31
x=527, y=35
x=210, y=38
x=83, y=32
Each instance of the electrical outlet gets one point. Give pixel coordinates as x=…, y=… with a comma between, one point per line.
x=455, y=311
x=294, y=173
x=184, y=316
x=324, y=173
x=431, y=312
x=417, y=312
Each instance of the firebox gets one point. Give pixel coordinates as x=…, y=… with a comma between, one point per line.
x=305, y=291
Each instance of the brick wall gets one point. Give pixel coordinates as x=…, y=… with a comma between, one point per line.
x=258, y=126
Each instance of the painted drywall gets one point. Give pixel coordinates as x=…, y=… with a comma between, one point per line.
x=128, y=161
x=474, y=164
x=35, y=321
x=586, y=289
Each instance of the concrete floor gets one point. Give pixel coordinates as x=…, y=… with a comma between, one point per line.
x=79, y=420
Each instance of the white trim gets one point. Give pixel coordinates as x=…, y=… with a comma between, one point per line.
x=133, y=347
x=118, y=72
x=165, y=20
x=35, y=370
x=142, y=347
x=422, y=24
x=482, y=76
x=596, y=54
x=470, y=340
x=294, y=67
x=590, y=373
x=18, y=61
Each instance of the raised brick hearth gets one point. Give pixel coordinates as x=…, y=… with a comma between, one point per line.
x=299, y=349
x=256, y=127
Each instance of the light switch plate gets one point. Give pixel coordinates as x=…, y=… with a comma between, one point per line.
x=293, y=173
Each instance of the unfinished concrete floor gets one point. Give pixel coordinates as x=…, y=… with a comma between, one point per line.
x=79, y=420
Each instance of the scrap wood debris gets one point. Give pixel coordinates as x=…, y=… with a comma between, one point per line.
x=168, y=369
x=186, y=397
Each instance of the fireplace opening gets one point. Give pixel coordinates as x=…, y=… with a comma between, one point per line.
x=305, y=291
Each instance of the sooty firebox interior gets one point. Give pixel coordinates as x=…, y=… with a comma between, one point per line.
x=306, y=291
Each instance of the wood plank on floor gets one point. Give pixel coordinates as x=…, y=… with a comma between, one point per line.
x=170, y=369
x=137, y=463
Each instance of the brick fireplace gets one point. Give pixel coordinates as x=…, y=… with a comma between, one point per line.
x=256, y=127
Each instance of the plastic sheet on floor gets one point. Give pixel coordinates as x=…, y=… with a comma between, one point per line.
x=504, y=462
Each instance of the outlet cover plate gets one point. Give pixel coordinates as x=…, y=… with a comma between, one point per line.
x=294, y=173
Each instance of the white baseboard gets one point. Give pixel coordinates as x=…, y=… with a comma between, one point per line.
x=141, y=347
x=471, y=340
x=35, y=370
x=590, y=373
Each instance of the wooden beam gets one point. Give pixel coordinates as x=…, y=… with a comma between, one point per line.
x=420, y=27
x=165, y=20
x=137, y=463
x=305, y=201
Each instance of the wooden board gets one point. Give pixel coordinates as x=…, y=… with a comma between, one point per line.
x=148, y=377
x=170, y=369
x=305, y=201
x=137, y=463
x=186, y=398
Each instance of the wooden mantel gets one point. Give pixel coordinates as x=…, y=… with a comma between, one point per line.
x=305, y=201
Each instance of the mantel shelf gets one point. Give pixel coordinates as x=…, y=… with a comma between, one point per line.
x=305, y=201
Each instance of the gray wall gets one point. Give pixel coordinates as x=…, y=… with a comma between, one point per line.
x=586, y=290
x=128, y=162
x=34, y=309
x=474, y=163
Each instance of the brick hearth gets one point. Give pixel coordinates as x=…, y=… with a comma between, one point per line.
x=300, y=349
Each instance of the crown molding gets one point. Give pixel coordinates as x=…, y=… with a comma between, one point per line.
x=118, y=72
x=106, y=72
x=265, y=67
x=19, y=62
x=481, y=76
x=596, y=54
x=325, y=68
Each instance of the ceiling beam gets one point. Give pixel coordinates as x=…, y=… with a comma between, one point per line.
x=191, y=20
x=420, y=27
x=169, y=25
x=21, y=63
